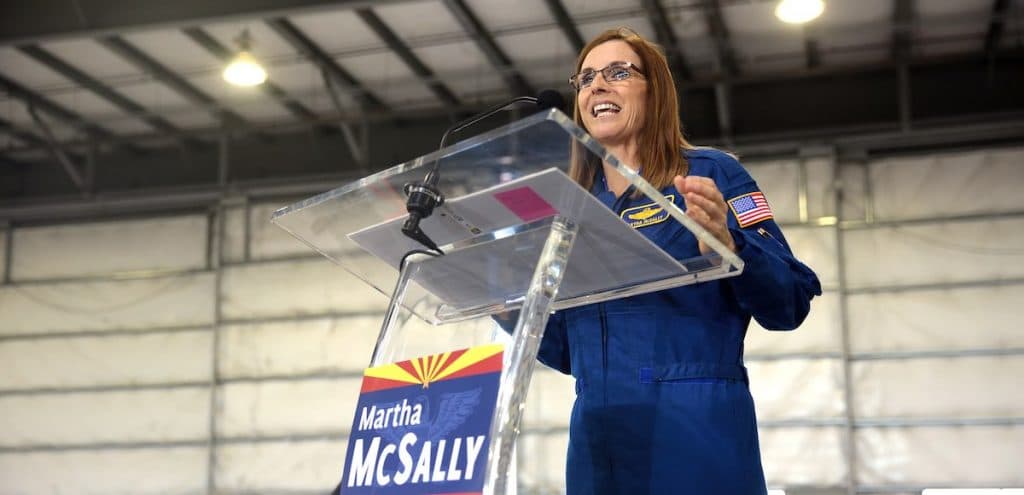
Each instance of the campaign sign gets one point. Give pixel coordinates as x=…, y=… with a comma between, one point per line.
x=422, y=425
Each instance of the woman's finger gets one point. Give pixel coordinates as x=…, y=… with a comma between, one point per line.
x=696, y=212
x=715, y=210
x=680, y=182
x=703, y=186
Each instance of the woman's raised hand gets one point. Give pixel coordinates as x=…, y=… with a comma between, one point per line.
x=706, y=206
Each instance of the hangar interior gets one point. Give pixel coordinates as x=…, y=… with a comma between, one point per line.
x=159, y=335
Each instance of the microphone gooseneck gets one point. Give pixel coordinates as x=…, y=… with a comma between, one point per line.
x=549, y=98
x=424, y=196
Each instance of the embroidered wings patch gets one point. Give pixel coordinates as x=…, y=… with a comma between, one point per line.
x=645, y=215
x=750, y=208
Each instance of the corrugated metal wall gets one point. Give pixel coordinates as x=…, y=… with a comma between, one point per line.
x=191, y=353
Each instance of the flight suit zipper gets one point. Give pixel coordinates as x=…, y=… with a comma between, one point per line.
x=618, y=206
x=604, y=346
x=604, y=379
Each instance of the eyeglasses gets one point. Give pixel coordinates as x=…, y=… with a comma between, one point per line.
x=616, y=71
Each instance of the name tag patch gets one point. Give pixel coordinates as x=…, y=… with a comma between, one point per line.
x=646, y=215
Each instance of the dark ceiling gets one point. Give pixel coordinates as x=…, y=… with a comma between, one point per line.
x=100, y=98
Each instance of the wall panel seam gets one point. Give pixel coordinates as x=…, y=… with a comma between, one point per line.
x=357, y=374
x=91, y=334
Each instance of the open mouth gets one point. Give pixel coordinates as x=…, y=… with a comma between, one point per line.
x=602, y=109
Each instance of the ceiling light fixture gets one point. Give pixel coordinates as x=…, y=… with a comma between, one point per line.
x=799, y=11
x=244, y=69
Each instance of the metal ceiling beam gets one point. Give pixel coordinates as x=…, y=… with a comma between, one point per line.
x=40, y=20
x=82, y=181
x=720, y=34
x=995, y=27
x=34, y=100
x=150, y=66
x=81, y=176
x=823, y=76
x=202, y=38
x=812, y=53
x=9, y=128
x=495, y=55
x=295, y=37
x=35, y=141
x=406, y=54
x=130, y=107
x=726, y=65
x=566, y=24
x=10, y=162
x=667, y=38
x=903, y=25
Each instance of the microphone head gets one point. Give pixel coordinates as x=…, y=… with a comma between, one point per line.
x=549, y=98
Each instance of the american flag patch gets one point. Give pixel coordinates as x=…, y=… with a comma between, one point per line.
x=750, y=208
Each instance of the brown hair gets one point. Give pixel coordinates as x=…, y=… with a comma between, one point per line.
x=661, y=135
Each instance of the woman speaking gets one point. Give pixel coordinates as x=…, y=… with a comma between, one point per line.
x=663, y=404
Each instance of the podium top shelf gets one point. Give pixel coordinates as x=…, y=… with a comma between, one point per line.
x=502, y=189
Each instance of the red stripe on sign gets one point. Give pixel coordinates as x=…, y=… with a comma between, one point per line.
x=373, y=384
x=525, y=203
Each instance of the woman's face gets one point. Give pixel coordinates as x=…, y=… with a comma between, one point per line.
x=613, y=112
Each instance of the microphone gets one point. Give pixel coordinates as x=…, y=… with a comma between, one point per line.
x=423, y=197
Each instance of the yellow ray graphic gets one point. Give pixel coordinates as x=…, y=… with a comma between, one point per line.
x=418, y=366
x=428, y=367
x=438, y=363
x=432, y=365
x=391, y=372
x=471, y=356
x=426, y=363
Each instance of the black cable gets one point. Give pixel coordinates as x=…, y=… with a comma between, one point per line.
x=405, y=257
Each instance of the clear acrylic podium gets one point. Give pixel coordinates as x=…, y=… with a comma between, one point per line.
x=521, y=240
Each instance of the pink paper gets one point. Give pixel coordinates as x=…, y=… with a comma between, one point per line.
x=525, y=203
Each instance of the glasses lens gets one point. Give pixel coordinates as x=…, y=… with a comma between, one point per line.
x=616, y=73
x=585, y=78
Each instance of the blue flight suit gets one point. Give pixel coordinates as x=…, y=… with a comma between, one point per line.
x=663, y=404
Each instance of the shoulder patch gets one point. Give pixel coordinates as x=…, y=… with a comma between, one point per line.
x=750, y=208
x=646, y=215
